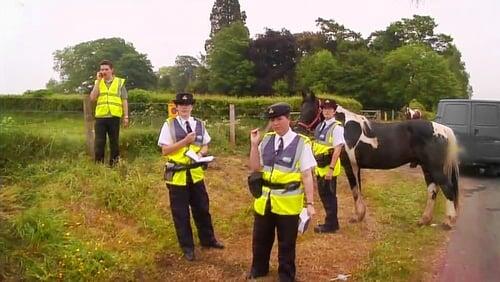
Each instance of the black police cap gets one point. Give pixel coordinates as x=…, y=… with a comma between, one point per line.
x=184, y=98
x=278, y=109
x=329, y=103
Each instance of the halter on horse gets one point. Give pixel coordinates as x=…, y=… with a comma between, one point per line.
x=389, y=145
x=308, y=128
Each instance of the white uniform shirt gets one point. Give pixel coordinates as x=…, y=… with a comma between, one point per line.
x=307, y=160
x=166, y=138
x=338, y=133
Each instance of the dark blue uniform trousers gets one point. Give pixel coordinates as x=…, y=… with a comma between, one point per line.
x=181, y=198
x=263, y=238
x=327, y=190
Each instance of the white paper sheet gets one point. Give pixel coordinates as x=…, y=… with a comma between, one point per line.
x=191, y=154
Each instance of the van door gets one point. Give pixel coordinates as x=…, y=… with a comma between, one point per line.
x=486, y=131
x=457, y=116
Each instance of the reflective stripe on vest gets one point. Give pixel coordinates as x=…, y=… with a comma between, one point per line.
x=323, y=143
x=109, y=101
x=281, y=169
x=178, y=157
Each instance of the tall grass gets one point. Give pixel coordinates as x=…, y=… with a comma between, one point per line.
x=402, y=252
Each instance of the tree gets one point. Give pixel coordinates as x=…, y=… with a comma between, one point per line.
x=339, y=38
x=311, y=42
x=457, y=67
x=183, y=72
x=418, y=30
x=274, y=56
x=230, y=71
x=418, y=72
x=78, y=64
x=163, y=78
x=201, y=80
x=55, y=86
x=359, y=77
x=224, y=13
x=318, y=72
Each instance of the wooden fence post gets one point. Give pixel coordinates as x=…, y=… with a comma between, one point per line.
x=232, y=125
x=89, y=124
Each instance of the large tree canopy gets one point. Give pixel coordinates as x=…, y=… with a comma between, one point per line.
x=224, y=13
x=318, y=72
x=417, y=72
x=78, y=64
x=273, y=54
x=230, y=70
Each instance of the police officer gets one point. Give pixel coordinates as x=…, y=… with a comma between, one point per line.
x=185, y=185
x=327, y=146
x=286, y=161
x=112, y=105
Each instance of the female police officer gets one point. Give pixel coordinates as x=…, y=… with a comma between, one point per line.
x=327, y=146
x=286, y=161
x=185, y=184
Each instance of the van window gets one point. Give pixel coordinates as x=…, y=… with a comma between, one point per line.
x=486, y=115
x=455, y=114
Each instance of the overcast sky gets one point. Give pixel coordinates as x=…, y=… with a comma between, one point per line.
x=30, y=31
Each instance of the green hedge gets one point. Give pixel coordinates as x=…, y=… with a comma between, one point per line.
x=142, y=101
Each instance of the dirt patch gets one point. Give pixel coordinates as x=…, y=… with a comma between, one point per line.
x=320, y=257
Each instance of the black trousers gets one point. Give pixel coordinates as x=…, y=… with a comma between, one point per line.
x=111, y=127
x=327, y=190
x=263, y=238
x=181, y=198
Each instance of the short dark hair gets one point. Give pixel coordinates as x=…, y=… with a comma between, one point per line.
x=107, y=63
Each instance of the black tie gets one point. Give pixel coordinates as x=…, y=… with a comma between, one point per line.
x=322, y=127
x=188, y=127
x=280, y=146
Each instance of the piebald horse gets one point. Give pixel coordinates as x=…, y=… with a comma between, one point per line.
x=413, y=114
x=376, y=145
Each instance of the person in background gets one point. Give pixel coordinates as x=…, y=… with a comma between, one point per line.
x=327, y=146
x=111, y=95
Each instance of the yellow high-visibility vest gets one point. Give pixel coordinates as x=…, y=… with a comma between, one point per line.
x=322, y=145
x=109, y=101
x=178, y=157
x=278, y=170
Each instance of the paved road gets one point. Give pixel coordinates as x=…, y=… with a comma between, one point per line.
x=474, y=250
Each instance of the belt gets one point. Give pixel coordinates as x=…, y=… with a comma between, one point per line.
x=170, y=166
x=287, y=186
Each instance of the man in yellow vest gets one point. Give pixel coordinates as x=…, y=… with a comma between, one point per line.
x=184, y=177
x=286, y=161
x=327, y=146
x=111, y=96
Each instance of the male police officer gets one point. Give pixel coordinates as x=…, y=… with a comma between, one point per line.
x=327, y=146
x=285, y=159
x=112, y=105
x=185, y=178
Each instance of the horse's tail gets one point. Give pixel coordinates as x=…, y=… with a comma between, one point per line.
x=450, y=168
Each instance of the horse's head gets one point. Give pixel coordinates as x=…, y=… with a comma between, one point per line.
x=310, y=113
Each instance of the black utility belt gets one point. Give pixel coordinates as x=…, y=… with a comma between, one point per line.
x=288, y=186
x=169, y=166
